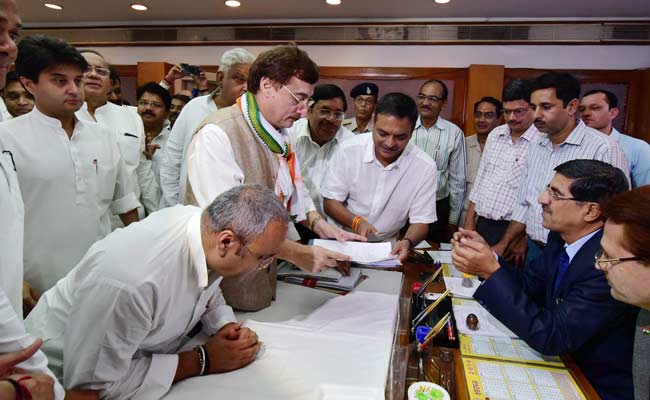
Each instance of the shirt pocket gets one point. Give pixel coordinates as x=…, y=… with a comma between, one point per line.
x=130, y=148
x=106, y=175
x=516, y=172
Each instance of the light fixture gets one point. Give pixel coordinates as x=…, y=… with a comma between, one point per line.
x=53, y=6
x=442, y=1
x=139, y=7
x=333, y=2
x=233, y=3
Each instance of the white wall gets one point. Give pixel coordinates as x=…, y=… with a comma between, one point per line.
x=512, y=56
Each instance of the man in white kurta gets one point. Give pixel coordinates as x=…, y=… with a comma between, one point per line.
x=70, y=187
x=117, y=323
x=128, y=128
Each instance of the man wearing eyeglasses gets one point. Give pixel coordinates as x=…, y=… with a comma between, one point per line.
x=492, y=198
x=248, y=143
x=154, y=103
x=560, y=303
x=365, y=97
x=316, y=138
x=445, y=143
x=487, y=116
x=127, y=127
x=119, y=323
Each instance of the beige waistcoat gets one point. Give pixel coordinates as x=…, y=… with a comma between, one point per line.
x=255, y=290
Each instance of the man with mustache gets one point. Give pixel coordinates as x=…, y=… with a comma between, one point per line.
x=127, y=127
x=231, y=80
x=502, y=165
x=445, y=143
x=316, y=138
x=487, y=116
x=378, y=182
x=71, y=173
x=598, y=109
x=248, y=143
x=554, y=100
x=154, y=103
x=559, y=303
x=365, y=97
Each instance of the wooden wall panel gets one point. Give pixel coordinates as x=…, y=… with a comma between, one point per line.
x=482, y=80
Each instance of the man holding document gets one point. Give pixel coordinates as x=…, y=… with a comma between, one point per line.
x=378, y=181
x=559, y=303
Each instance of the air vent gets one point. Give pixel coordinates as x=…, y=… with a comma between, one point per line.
x=537, y=33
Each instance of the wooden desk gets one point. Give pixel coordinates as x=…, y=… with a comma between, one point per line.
x=458, y=391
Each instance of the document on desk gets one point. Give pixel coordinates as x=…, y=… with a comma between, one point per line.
x=489, y=379
x=504, y=349
x=377, y=254
x=488, y=325
x=441, y=256
x=455, y=286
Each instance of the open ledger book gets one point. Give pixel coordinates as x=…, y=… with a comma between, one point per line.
x=373, y=254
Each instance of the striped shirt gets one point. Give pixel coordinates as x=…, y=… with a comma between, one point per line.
x=582, y=143
x=501, y=171
x=445, y=143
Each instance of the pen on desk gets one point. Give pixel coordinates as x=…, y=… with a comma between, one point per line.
x=435, y=331
x=428, y=310
x=450, y=330
x=428, y=282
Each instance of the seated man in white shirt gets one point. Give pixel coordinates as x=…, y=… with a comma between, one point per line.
x=379, y=181
x=315, y=140
x=71, y=174
x=119, y=322
x=154, y=103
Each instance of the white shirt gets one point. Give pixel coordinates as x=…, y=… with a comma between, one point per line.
x=573, y=248
x=15, y=338
x=385, y=196
x=70, y=187
x=212, y=168
x=117, y=321
x=173, y=169
x=314, y=159
x=445, y=143
x=11, y=235
x=157, y=158
x=128, y=127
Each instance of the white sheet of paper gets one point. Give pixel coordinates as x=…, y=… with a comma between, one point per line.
x=488, y=325
x=445, y=246
x=423, y=245
x=455, y=286
x=442, y=256
x=361, y=252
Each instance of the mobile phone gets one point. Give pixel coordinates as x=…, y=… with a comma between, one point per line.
x=191, y=69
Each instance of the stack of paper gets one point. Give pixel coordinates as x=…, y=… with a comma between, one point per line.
x=373, y=254
x=328, y=279
x=488, y=325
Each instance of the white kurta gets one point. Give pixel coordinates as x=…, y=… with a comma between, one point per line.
x=14, y=338
x=69, y=186
x=387, y=197
x=128, y=128
x=117, y=321
x=157, y=159
x=11, y=235
x=314, y=159
x=173, y=170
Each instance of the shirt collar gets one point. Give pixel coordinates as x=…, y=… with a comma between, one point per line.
x=576, y=136
x=438, y=124
x=197, y=254
x=280, y=136
x=369, y=154
x=573, y=248
x=36, y=113
x=615, y=134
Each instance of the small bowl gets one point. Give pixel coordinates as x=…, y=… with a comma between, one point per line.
x=425, y=389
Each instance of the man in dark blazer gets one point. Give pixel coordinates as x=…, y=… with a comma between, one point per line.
x=559, y=303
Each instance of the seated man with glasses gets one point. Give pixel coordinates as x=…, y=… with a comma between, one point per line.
x=365, y=97
x=118, y=323
x=501, y=170
x=559, y=303
x=316, y=138
x=248, y=143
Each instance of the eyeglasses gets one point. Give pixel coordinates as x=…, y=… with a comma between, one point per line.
x=361, y=101
x=487, y=115
x=299, y=102
x=518, y=112
x=98, y=70
x=433, y=99
x=607, y=263
x=153, y=104
x=557, y=197
x=329, y=114
x=263, y=261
